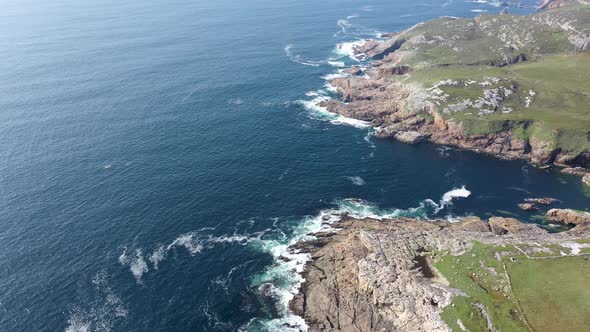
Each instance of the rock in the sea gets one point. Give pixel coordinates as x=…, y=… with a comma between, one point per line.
x=579, y=171
x=528, y=206
x=542, y=200
x=568, y=216
x=586, y=179
x=504, y=11
x=411, y=137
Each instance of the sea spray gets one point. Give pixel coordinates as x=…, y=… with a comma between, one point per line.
x=193, y=242
x=283, y=278
x=321, y=113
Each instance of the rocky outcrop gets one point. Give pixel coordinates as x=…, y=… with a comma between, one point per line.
x=528, y=207
x=568, y=216
x=375, y=275
x=542, y=200
x=411, y=137
x=393, y=108
x=578, y=171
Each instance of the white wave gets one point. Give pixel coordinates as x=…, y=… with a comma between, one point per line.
x=344, y=25
x=137, y=264
x=236, y=101
x=98, y=311
x=331, y=88
x=337, y=64
x=367, y=139
x=322, y=113
x=332, y=76
x=351, y=122
x=357, y=180
x=447, y=3
x=299, y=59
x=242, y=239
x=348, y=49
x=191, y=241
x=283, y=279
x=194, y=242
x=157, y=256
x=451, y=194
x=447, y=198
x=479, y=10
x=485, y=2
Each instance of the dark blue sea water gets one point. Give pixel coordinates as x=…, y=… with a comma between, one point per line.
x=157, y=157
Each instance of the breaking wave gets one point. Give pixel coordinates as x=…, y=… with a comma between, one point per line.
x=193, y=242
x=297, y=58
x=321, y=113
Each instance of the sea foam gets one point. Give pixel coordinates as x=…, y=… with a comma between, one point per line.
x=98, y=311
x=348, y=49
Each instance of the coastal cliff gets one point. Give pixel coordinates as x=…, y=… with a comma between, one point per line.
x=414, y=275
x=516, y=87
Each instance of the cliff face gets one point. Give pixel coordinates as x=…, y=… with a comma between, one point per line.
x=379, y=275
x=512, y=86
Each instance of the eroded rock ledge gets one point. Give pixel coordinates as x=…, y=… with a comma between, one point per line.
x=373, y=275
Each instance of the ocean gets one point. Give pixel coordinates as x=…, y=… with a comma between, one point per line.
x=158, y=157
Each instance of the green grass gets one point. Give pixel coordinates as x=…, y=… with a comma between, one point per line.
x=480, y=275
x=559, y=114
x=554, y=293
x=473, y=49
x=548, y=294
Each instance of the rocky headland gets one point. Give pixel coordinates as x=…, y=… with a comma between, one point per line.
x=415, y=275
x=517, y=87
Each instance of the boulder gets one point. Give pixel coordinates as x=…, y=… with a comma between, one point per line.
x=411, y=137
x=528, y=207
x=501, y=226
x=578, y=171
x=568, y=216
x=542, y=200
x=355, y=71
x=586, y=179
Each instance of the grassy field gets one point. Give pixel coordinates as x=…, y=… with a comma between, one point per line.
x=556, y=297
x=558, y=113
x=540, y=291
x=536, y=57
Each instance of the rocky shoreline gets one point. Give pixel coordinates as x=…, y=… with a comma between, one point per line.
x=372, y=275
x=387, y=95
